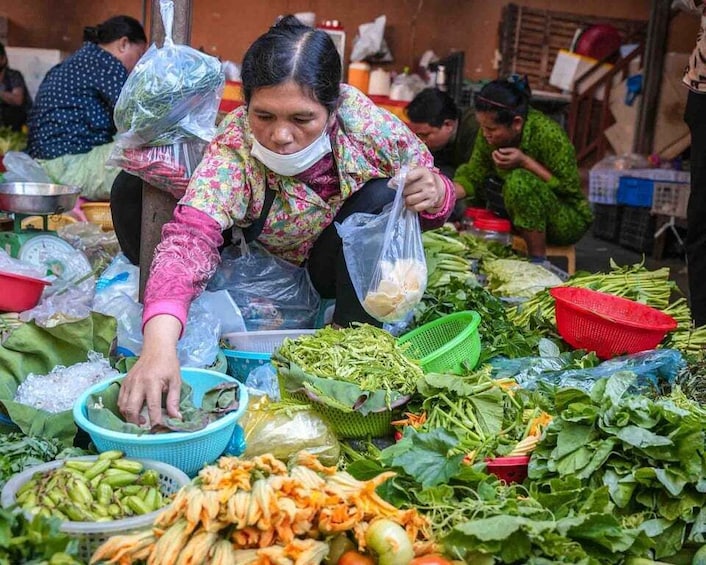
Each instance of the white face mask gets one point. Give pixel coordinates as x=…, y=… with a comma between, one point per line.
x=294, y=163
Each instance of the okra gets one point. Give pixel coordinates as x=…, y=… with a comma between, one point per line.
x=137, y=505
x=100, y=466
x=110, y=455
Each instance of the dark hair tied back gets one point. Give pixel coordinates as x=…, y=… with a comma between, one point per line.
x=521, y=84
x=113, y=29
x=506, y=98
x=290, y=50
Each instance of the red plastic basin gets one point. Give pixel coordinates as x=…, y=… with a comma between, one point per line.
x=19, y=293
x=509, y=469
x=607, y=324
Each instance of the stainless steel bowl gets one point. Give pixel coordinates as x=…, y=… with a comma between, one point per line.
x=37, y=197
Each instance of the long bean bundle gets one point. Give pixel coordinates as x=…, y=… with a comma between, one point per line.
x=364, y=355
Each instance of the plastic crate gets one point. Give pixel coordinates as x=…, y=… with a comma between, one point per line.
x=606, y=221
x=249, y=350
x=637, y=229
x=603, y=183
x=262, y=341
x=633, y=191
x=671, y=198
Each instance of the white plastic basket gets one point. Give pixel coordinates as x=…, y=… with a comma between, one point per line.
x=603, y=183
x=261, y=342
x=91, y=535
x=670, y=199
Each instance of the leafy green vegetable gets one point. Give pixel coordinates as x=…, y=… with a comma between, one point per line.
x=364, y=356
x=518, y=279
x=18, y=452
x=426, y=457
x=499, y=335
x=488, y=415
x=167, y=85
x=34, y=542
x=11, y=140
x=647, y=453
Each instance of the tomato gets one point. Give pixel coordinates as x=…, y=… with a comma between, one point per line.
x=432, y=559
x=353, y=557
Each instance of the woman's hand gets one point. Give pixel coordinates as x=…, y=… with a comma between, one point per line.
x=509, y=158
x=423, y=190
x=156, y=371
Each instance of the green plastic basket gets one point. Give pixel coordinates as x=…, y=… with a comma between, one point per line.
x=346, y=425
x=448, y=345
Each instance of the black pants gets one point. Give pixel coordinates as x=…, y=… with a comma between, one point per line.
x=326, y=264
x=126, y=210
x=695, y=118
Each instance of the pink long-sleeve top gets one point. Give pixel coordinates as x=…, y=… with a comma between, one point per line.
x=228, y=188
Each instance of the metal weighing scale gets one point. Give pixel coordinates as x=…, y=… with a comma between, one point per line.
x=21, y=200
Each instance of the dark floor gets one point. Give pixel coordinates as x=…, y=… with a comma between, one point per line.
x=594, y=255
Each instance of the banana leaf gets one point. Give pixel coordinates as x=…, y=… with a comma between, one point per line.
x=334, y=393
x=33, y=349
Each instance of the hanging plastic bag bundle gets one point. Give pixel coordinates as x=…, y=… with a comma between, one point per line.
x=170, y=98
x=166, y=167
x=385, y=258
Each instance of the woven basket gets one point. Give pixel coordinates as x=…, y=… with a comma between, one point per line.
x=98, y=213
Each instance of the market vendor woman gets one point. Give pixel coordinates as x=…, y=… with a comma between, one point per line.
x=311, y=149
x=534, y=165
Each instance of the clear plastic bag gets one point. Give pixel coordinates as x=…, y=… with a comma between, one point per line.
x=385, y=258
x=166, y=167
x=286, y=430
x=16, y=266
x=172, y=94
x=20, y=167
x=655, y=370
x=271, y=293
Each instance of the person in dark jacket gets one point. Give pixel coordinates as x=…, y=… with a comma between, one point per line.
x=448, y=132
x=15, y=100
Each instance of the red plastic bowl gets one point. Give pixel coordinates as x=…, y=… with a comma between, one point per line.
x=509, y=469
x=607, y=324
x=19, y=293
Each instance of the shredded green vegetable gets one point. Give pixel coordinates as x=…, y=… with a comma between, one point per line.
x=364, y=355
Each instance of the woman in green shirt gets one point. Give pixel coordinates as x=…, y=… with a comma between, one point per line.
x=533, y=159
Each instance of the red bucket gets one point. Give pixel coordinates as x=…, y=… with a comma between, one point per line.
x=607, y=324
x=19, y=293
x=511, y=469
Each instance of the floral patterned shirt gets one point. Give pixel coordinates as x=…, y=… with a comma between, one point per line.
x=228, y=188
x=695, y=72
x=229, y=184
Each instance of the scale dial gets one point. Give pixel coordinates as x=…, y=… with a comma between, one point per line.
x=57, y=256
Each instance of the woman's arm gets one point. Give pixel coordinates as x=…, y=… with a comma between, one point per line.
x=14, y=97
x=470, y=176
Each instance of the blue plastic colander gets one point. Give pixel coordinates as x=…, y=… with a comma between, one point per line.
x=188, y=451
x=240, y=363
